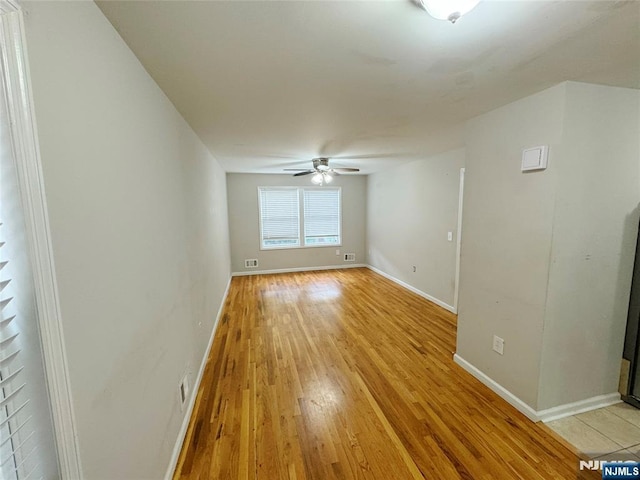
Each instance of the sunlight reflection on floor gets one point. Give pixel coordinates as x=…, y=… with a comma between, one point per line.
x=318, y=292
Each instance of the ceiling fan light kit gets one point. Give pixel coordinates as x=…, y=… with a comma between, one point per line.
x=321, y=178
x=323, y=174
x=450, y=10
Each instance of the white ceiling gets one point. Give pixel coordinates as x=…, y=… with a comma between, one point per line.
x=269, y=85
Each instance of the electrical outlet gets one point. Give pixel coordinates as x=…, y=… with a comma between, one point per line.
x=498, y=344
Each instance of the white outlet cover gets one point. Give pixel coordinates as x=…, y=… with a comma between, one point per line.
x=498, y=345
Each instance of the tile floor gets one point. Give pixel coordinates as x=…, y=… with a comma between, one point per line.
x=612, y=432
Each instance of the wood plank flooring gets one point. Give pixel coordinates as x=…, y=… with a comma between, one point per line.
x=345, y=375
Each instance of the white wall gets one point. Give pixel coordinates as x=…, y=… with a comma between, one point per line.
x=244, y=229
x=547, y=256
x=138, y=218
x=506, y=240
x=139, y=224
x=594, y=234
x=410, y=209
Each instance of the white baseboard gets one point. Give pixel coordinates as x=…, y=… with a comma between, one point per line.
x=440, y=303
x=298, y=269
x=561, y=411
x=529, y=412
x=194, y=391
x=548, y=414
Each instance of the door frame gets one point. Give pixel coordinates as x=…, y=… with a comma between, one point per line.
x=15, y=75
x=456, y=289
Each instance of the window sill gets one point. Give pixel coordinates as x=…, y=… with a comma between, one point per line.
x=287, y=247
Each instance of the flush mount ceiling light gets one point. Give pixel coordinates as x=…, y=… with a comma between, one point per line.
x=450, y=10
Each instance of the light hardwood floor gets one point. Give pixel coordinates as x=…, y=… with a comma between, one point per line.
x=343, y=374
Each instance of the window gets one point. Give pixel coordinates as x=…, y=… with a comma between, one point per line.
x=285, y=212
x=27, y=443
x=321, y=216
x=279, y=217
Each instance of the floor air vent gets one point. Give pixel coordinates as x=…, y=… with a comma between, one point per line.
x=251, y=263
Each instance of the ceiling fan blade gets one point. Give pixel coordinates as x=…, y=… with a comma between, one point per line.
x=304, y=173
x=345, y=169
x=374, y=155
x=295, y=169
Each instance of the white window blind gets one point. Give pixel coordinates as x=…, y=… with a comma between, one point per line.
x=17, y=447
x=27, y=445
x=321, y=216
x=279, y=217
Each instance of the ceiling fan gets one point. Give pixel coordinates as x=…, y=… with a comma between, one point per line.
x=323, y=173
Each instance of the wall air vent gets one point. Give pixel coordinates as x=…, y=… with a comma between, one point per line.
x=349, y=257
x=250, y=263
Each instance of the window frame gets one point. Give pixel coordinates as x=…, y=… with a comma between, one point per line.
x=261, y=239
x=28, y=162
x=304, y=218
x=301, y=218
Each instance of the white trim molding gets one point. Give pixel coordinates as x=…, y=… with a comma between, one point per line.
x=568, y=409
x=24, y=134
x=456, y=290
x=298, y=269
x=529, y=412
x=175, y=456
x=440, y=303
x=546, y=415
